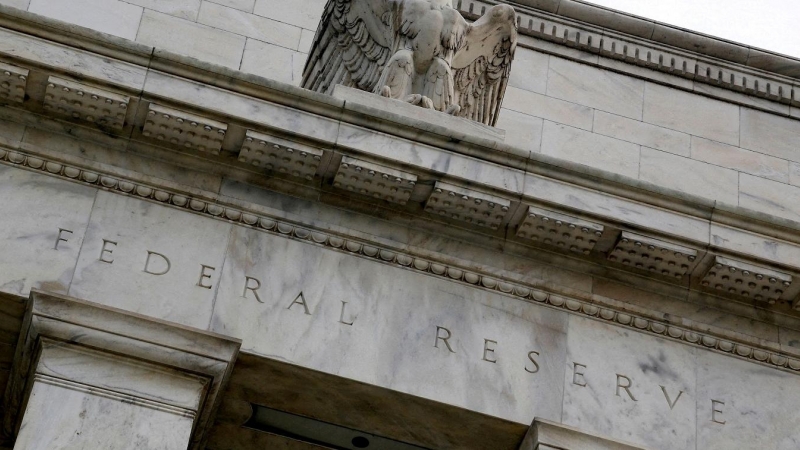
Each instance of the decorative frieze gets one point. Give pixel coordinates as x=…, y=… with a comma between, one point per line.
x=12, y=83
x=653, y=255
x=468, y=205
x=85, y=102
x=375, y=180
x=746, y=280
x=560, y=230
x=184, y=129
x=280, y=155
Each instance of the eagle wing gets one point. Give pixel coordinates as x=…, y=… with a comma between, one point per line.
x=354, y=41
x=481, y=67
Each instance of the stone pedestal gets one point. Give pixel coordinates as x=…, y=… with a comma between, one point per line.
x=544, y=435
x=87, y=376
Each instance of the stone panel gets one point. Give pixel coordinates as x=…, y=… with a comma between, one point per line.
x=191, y=39
x=184, y=9
x=754, y=404
x=691, y=113
x=272, y=61
x=549, y=108
x=642, y=133
x=769, y=197
x=188, y=250
x=11, y=133
x=242, y=5
x=529, y=71
x=657, y=410
x=34, y=255
x=593, y=150
x=522, y=130
x=598, y=88
x=19, y=4
x=108, y=16
x=394, y=313
x=301, y=13
x=250, y=25
x=689, y=176
x=794, y=173
x=736, y=158
x=770, y=134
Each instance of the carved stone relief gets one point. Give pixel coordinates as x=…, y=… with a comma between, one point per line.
x=419, y=51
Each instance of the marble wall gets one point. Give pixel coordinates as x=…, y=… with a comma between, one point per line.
x=398, y=327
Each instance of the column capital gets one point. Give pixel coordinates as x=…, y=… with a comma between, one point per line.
x=66, y=340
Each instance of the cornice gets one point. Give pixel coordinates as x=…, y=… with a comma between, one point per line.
x=213, y=206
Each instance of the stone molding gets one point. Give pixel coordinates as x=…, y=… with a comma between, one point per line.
x=699, y=335
x=644, y=52
x=546, y=435
x=55, y=324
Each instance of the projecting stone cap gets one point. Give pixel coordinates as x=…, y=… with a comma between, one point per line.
x=405, y=113
x=545, y=435
x=104, y=348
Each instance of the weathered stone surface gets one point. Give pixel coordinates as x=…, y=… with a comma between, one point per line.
x=698, y=178
x=109, y=16
x=590, y=149
x=770, y=134
x=184, y=9
x=739, y=159
x=250, y=25
x=548, y=108
x=769, y=196
x=642, y=133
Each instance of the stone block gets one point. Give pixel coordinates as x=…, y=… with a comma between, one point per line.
x=302, y=13
x=616, y=208
x=619, y=384
x=642, y=133
x=548, y=108
x=749, y=414
x=468, y=205
x=44, y=245
x=61, y=57
x=769, y=197
x=653, y=255
x=794, y=173
x=395, y=313
x=737, y=158
x=770, y=134
x=249, y=109
x=19, y=4
x=242, y=5
x=250, y=25
x=11, y=133
x=13, y=80
x=545, y=435
x=696, y=178
x=306, y=41
x=560, y=230
x=691, y=113
x=86, y=102
x=273, y=61
x=590, y=149
x=280, y=155
x=529, y=71
x=375, y=180
x=753, y=244
x=746, y=280
x=108, y=16
x=205, y=43
x=522, y=130
x=184, y=9
x=162, y=260
x=184, y=129
x=598, y=88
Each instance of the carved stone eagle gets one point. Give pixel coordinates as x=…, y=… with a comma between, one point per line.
x=420, y=51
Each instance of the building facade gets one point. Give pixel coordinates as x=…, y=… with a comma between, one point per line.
x=198, y=253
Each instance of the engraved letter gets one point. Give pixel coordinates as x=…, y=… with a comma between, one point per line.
x=535, y=364
x=104, y=250
x=300, y=300
x=489, y=351
x=147, y=263
x=59, y=238
x=577, y=375
x=205, y=276
x=626, y=386
x=254, y=289
x=714, y=411
x=443, y=338
x=341, y=315
x=670, y=402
